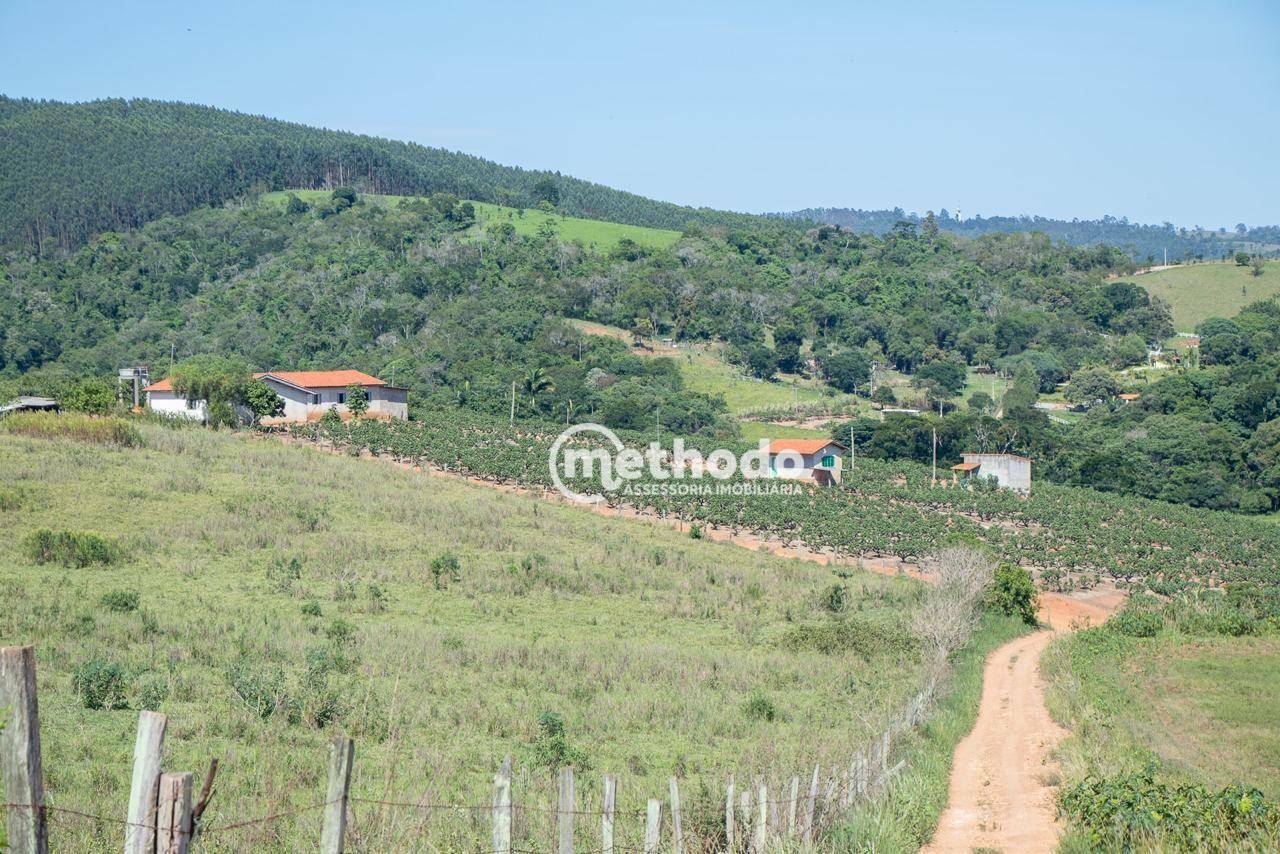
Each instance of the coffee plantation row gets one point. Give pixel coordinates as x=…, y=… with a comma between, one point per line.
x=882, y=508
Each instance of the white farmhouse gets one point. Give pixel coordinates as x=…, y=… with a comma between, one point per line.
x=818, y=460
x=307, y=395
x=1010, y=471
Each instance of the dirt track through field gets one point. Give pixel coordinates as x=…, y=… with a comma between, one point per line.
x=1001, y=793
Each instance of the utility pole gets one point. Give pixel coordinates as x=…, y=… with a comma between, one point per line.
x=935, y=456
x=513, y=403
x=657, y=420
x=853, y=448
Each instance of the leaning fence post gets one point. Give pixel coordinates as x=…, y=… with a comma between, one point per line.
x=565, y=808
x=333, y=835
x=502, y=809
x=809, y=836
x=652, y=824
x=608, y=806
x=173, y=815
x=677, y=832
x=140, y=833
x=20, y=767
x=730, y=829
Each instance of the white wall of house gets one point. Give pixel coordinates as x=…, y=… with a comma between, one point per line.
x=171, y=404
x=1010, y=472
x=811, y=462
x=393, y=401
x=298, y=404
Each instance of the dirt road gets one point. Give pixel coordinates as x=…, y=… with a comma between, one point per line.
x=1002, y=776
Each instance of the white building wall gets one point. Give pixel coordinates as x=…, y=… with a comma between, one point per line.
x=169, y=403
x=1010, y=472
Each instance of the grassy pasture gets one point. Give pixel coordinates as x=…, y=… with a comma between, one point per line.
x=591, y=233
x=282, y=594
x=1219, y=289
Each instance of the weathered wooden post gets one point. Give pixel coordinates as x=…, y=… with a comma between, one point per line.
x=730, y=826
x=809, y=837
x=502, y=809
x=792, y=805
x=677, y=832
x=609, y=805
x=20, y=767
x=762, y=818
x=333, y=835
x=148, y=750
x=564, y=812
x=173, y=814
x=884, y=752
x=652, y=826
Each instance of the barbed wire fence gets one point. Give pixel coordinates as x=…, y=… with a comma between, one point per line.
x=166, y=815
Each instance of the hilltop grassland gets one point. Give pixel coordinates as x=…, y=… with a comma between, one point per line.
x=595, y=234
x=1196, y=292
x=264, y=596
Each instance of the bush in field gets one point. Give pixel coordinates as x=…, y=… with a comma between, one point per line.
x=1135, y=812
x=445, y=566
x=120, y=601
x=1013, y=593
x=552, y=748
x=864, y=636
x=70, y=548
x=1137, y=622
x=100, y=684
x=112, y=432
x=759, y=707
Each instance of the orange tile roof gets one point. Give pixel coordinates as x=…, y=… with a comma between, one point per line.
x=305, y=379
x=965, y=466
x=1129, y=396
x=800, y=446
x=324, y=379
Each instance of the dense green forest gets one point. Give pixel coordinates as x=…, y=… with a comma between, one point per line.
x=1144, y=243
x=74, y=170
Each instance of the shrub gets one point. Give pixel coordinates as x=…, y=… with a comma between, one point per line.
x=552, y=748
x=864, y=636
x=153, y=690
x=311, y=608
x=1014, y=593
x=112, y=432
x=695, y=531
x=1138, y=622
x=835, y=598
x=759, y=707
x=100, y=684
x=70, y=548
x=120, y=601
x=445, y=566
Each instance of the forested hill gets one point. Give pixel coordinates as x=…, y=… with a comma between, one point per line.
x=1142, y=242
x=75, y=170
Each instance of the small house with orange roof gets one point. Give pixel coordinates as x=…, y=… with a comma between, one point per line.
x=818, y=460
x=307, y=395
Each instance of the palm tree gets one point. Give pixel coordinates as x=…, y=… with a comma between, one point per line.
x=534, y=383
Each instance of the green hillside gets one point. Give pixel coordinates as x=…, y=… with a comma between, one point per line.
x=591, y=233
x=74, y=170
x=1199, y=291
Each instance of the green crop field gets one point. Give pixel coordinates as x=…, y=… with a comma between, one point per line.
x=1220, y=289
x=591, y=233
x=264, y=596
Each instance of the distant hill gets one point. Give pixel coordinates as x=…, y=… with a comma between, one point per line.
x=74, y=170
x=1196, y=292
x=1142, y=242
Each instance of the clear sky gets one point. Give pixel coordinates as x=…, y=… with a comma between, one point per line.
x=1152, y=110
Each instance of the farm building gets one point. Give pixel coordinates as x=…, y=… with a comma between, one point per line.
x=1010, y=471
x=818, y=460
x=306, y=395
x=28, y=403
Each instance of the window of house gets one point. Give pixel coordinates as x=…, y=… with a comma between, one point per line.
x=342, y=397
x=829, y=461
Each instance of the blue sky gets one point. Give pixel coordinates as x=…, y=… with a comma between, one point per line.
x=1155, y=111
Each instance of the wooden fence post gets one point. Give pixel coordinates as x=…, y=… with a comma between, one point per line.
x=502, y=809
x=792, y=805
x=809, y=837
x=173, y=813
x=652, y=826
x=744, y=810
x=762, y=818
x=884, y=752
x=564, y=810
x=140, y=833
x=677, y=831
x=608, y=806
x=730, y=828
x=20, y=768
x=333, y=835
